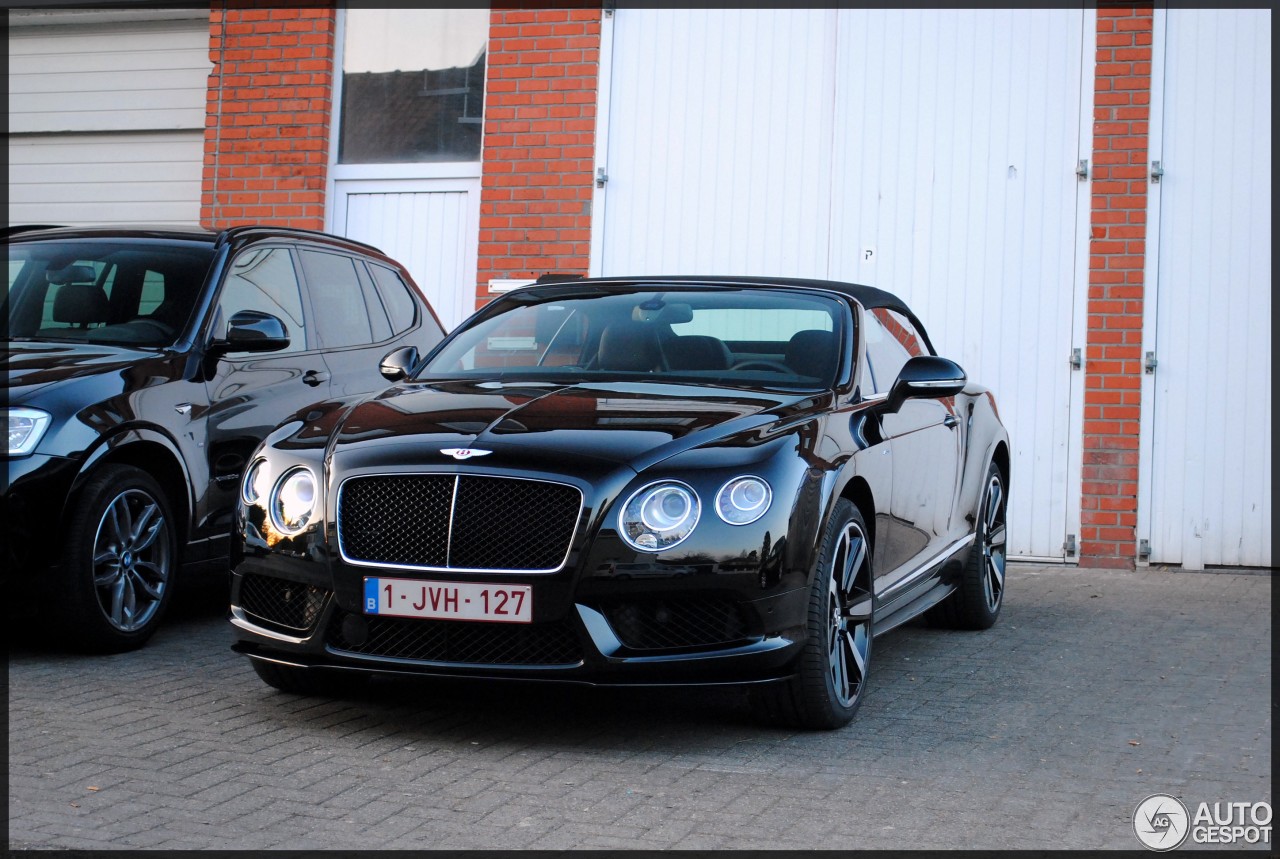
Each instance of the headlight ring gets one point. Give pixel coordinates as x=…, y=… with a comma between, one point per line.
x=293, y=500
x=744, y=499
x=659, y=516
x=255, y=486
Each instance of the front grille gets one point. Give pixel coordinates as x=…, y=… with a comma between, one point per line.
x=283, y=605
x=457, y=522
x=460, y=641
x=666, y=624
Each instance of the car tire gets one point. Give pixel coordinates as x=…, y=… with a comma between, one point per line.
x=309, y=681
x=119, y=563
x=979, y=594
x=835, y=663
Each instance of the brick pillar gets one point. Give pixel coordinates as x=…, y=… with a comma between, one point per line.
x=1117, y=254
x=266, y=141
x=539, y=143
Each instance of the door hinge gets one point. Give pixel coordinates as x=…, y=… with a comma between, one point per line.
x=1149, y=363
x=1077, y=361
x=1082, y=169
x=1069, y=547
x=1156, y=172
x=1144, y=549
x=601, y=177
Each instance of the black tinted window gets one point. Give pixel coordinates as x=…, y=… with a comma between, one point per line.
x=264, y=279
x=379, y=323
x=395, y=295
x=341, y=317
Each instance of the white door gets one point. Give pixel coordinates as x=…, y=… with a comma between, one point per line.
x=929, y=153
x=431, y=226
x=1205, y=494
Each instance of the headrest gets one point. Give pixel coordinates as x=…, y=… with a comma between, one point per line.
x=813, y=353
x=631, y=347
x=697, y=352
x=80, y=304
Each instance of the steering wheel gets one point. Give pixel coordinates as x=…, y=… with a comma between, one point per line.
x=776, y=366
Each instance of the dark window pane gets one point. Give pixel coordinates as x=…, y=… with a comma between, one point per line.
x=395, y=294
x=341, y=318
x=378, y=321
x=422, y=115
x=264, y=279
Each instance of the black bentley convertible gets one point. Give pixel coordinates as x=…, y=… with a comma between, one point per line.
x=655, y=481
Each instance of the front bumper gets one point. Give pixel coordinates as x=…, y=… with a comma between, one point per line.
x=674, y=630
x=34, y=495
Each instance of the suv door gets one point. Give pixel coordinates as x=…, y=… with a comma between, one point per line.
x=249, y=394
x=358, y=321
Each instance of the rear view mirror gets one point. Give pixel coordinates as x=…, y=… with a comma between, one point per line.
x=253, y=331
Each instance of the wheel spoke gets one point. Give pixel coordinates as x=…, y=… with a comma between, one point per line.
x=106, y=556
x=155, y=586
x=995, y=498
x=101, y=580
x=840, y=666
x=857, y=556
x=859, y=611
x=859, y=658
x=144, y=528
x=996, y=537
x=117, y=601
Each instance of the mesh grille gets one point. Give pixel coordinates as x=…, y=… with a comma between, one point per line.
x=498, y=523
x=463, y=642
x=661, y=625
x=278, y=603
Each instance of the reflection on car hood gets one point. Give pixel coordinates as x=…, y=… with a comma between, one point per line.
x=32, y=365
x=634, y=423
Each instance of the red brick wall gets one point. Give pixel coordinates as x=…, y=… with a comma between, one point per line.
x=1117, y=248
x=539, y=143
x=267, y=126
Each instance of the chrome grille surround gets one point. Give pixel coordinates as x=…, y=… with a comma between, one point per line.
x=466, y=523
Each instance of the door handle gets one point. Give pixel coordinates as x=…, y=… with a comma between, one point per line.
x=950, y=421
x=315, y=377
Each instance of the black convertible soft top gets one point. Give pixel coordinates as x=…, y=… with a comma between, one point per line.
x=867, y=296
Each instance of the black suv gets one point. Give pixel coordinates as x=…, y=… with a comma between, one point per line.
x=142, y=368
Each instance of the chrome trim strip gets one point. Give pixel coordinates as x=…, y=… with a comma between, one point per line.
x=342, y=552
x=453, y=506
x=928, y=565
x=938, y=383
x=238, y=618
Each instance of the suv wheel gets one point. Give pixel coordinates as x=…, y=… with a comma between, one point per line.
x=119, y=562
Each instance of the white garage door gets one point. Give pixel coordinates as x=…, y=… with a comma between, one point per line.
x=929, y=153
x=106, y=118
x=1206, y=453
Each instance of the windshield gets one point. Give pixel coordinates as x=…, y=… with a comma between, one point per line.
x=722, y=336
x=105, y=291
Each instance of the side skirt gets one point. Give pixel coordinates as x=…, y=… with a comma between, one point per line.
x=929, y=585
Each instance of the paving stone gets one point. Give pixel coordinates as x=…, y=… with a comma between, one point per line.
x=1096, y=689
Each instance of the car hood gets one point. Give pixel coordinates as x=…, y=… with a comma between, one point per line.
x=29, y=366
x=546, y=426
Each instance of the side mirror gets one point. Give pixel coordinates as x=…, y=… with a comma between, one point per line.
x=925, y=376
x=253, y=331
x=398, y=363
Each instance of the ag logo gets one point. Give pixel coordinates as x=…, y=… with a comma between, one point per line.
x=1161, y=822
x=465, y=452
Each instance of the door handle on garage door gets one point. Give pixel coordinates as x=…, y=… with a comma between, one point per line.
x=315, y=377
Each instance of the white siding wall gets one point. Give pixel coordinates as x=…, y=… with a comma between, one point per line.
x=1206, y=483
x=945, y=142
x=106, y=120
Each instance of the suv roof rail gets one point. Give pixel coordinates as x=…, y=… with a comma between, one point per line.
x=26, y=228
x=555, y=277
x=232, y=233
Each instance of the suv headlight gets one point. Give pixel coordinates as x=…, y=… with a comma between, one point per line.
x=743, y=500
x=26, y=428
x=659, y=516
x=293, y=500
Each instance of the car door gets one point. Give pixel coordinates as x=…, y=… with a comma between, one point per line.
x=249, y=394
x=924, y=441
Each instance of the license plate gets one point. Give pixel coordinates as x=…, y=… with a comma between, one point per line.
x=448, y=600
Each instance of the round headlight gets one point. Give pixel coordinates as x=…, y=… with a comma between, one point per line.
x=293, y=500
x=254, y=486
x=659, y=516
x=743, y=500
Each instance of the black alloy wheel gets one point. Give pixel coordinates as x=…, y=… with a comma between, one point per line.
x=980, y=591
x=836, y=660
x=119, y=563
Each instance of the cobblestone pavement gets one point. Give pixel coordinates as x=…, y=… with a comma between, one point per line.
x=1096, y=689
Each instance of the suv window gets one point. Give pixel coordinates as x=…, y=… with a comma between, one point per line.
x=264, y=279
x=395, y=295
x=341, y=316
